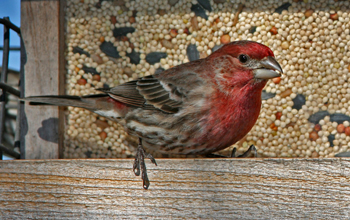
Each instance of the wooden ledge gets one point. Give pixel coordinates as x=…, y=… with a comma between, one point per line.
x=180, y=188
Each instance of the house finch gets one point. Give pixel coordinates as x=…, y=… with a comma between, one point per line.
x=195, y=108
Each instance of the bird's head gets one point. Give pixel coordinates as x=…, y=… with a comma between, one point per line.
x=245, y=62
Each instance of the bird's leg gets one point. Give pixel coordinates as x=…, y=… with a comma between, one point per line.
x=250, y=150
x=139, y=164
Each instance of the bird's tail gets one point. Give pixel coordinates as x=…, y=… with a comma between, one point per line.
x=88, y=102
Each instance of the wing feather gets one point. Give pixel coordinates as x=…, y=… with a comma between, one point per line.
x=151, y=92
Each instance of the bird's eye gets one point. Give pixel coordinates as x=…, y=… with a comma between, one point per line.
x=243, y=58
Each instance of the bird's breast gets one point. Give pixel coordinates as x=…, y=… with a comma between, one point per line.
x=230, y=120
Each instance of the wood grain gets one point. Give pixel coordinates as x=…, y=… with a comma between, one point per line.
x=180, y=188
x=41, y=28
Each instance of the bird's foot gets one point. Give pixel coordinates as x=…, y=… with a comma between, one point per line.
x=251, y=150
x=139, y=164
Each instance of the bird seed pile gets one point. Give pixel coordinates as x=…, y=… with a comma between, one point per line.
x=305, y=113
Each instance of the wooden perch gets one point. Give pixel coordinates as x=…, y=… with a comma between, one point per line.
x=180, y=188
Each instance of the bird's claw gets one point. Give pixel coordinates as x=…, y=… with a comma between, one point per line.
x=140, y=166
x=149, y=156
x=251, y=149
x=136, y=166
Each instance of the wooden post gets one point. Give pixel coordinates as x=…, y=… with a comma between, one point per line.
x=43, y=65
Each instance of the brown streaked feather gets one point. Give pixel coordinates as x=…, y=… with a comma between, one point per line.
x=158, y=95
x=153, y=90
x=155, y=95
x=126, y=93
x=148, y=93
x=159, y=100
x=128, y=101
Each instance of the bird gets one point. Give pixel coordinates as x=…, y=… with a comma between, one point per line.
x=195, y=108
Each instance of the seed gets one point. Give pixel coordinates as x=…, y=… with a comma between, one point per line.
x=80, y=51
x=173, y=32
x=155, y=57
x=308, y=13
x=278, y=115
x=313, y=135
x=109, y=49
x=202, y=55
x=199, y=11
x=340, y=128
x=194, y=23
x=192, y=52
x=286, y=93
x=273, y=30
x=314, y=154
x=113, y=19
x=285, y=45
x=172, y=2
x=97, y=58
x=167, y=44
x=186, y=31
x=103, y=135
x=299, y=101
x=132, y=20
x=334, y=16
x=317, y=127
x=101, y=124
x=276, y=80
x=282, y=8
x=273, y=127
x=347, y=131
x=81, y=81
x=161, y=12
x=96, y=77
x=122, y=31
x=225, y=39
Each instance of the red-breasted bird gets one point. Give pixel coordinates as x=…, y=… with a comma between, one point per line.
x=198, y=107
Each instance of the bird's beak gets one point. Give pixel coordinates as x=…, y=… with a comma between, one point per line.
x=269, y=68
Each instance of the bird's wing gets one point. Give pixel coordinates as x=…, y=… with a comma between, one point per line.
x=161, y=95
x=166, y=91
x=149, y=92
x=126, y=93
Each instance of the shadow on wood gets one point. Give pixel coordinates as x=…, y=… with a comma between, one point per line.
x=180, y=188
